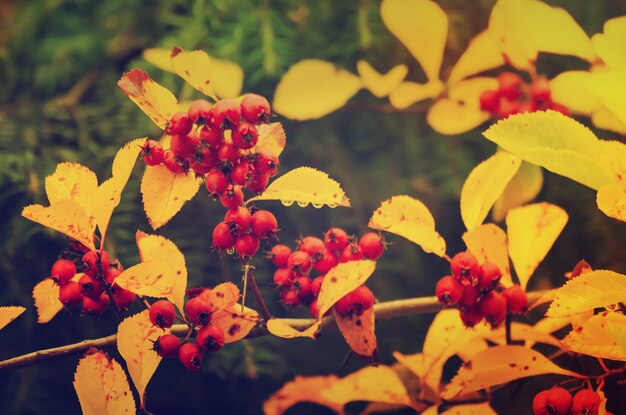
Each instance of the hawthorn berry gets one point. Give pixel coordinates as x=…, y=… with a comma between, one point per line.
x=493, y=307
x=166, y=345
x=313, y=308
x=351, y=252
x=508, y=107
x=264, y=224
x=489, y=101
x=585, y=402
x=228, y=154
x=223, y=238
x=355, y=302
x=179, y=124
x=266, y=164
x=95, y=263
x=516, y=299
x=465, y=267
x=510, y=85
x=63, y=270
x=212, y=137
x=470, y=296
x=122, y=297
x=111, y=274
x=311, y=245
x=210, y=338
x=255, y=108
x=540, y=92
x=258, y=182
x=325, y=261
x=279, y=255
x=290, y=297
x=336, y=239
x=216, y=182
x=283, y=277
x=449, y=290
x=70, y=294
x=91, y=286
x=299, y=262
x=471, y=316
x=539, y=403
x=152, y=152
x=560, y=108
x=489, y=276
x=372, y=245
x=175, y=164
x=238, y=219
x=232, y=198
x=199, y=110
x=558, y=401
x=162, y=314
x=95, y=306
x=247, y=245
x=303, y=286
x=198, y=311
x=245, y=136
x=226, y=114
x=190, y=355
x=316, y=285
x=183, y=146
x=240, y=174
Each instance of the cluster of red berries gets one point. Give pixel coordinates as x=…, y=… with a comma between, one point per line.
x=558, y=401
x=242, y=230
x=215, y=141
x=476, y=291
x=93, y=290
x=294, y=268
x=514, y=96
x=209, y=337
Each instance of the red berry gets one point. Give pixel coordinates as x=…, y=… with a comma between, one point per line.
x=283, y=277
x=95, y=306
x=91, y=286
x=228, y=153
x=238, y=219
x=190, y=356
x=258, y=182
x=299, y=262
x=198, y=110
x=179, y=124
x=355, y=302
x=266, y=164
x=558, y=401
x=240, y=174
x=175, y=164
x=210, y=338
x=352, y=252
x=313, y=308
x=316, y=285
x=211, y=136
x=540, y=92
x=247, y=245
x=336, y=239
x=223, y=238
x=63, y=270
x=539, y=403
x=516, y=299
x=489, y=276
x=184, y=146
x=226, y=114
x=255, y=108
x=122, y=297
x=586, y=402
x=290, y=297
x=279, y=255
x=510, y=85
x=508, y=108
x=344, y=305
x=493, y=307
x=264, y=224
x=198, y=311
x=311, y=245
x=111, y=275
x=471, y=316
x=449, y=290
x=489, y=101
x=325, y=261
x=95, y=263
x=162, y=314
x=245, y=136
x=152, y=152
x=303, y=286
x=470, y=296
x=560, y=108
x=70, y=294
x=216, y=182
x=372, y=245
x=232, y=198
x=166, y=346
x=464, y=267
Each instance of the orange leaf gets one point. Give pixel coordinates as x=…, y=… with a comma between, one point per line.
x=272, y=139
x=280, y=329
x=463, y=409
x=378, y=84
x=102, y=386
x=164, y=193
x=8, y=314
x=488, y=243
x=341, y=280
x=301, y=389
x=358, y=331
x=135, y=338
x=156, y=101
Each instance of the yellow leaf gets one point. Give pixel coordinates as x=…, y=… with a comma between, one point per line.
x=611, y=200
x=488, y=243
x=548, y=325
x=463, y=409
x=573, y=89
x=281, y=329
x=156, y=101
x=164, y=193
x=72, y=181
x=272, y=139
x=65, y=216
x=135, y=337
x=594, y=337
x=358, y=331
x=609, y=45
x=108, y=195
x=8, y=314
x=484, y=185
x=610, y=88
x=519, y=332
x=618, y=332
x=378, y=84
x=313, y=88
x=588, y=291
x=408, y=93
x=500, y=364
x=305, y=185
x=556, y=142
x=532, y=230
x=411, y=219
x=523, y=188
x=605, y=119
x=102, y=386
x=483, y=53
x=301, y=389
x=341, y=280
x=46, y=296
x=450, y=117
x=194, y=68
x=421, y=26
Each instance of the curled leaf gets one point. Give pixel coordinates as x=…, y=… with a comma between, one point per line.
x=281, y=329
x=272, y=139
x=340, y=281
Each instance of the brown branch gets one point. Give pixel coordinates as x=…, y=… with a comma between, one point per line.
x=383, y=311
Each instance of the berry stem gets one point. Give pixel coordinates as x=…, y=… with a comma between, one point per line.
x=507, y=328
x=107, y=287
x=257, y=293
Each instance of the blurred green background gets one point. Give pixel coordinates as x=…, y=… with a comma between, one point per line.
x=59, y=62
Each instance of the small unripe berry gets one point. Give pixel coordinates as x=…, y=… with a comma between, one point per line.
x=449, y=290
x=162, y=314
x=63, y=270
x=210, y=338
x=190, y=355
x=336, y=239
x=167, y=346
x=516, y=299
x=198, y=311
x=279, y=255
x=372, y=245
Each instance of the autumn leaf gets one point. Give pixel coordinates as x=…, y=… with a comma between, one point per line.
x=519, y=332
x=482, y=53
x=381, y=85
x=156, y=101
x=135, y=338
x=102, y=386
x=313, y=88
x=272, y=139
x=46, y=296
x=72, y=181
x=595, y=337
x=193, y=67
x=488, y=242
x=10, y=313
x=532, y=230
x=408, y=217
x=301, y=389
x=304, y=186
x=408, y=93
x=484, y=185
x=421, y=26
x=611, y=200
x=609, y=45
x=358, y=331
x=228, y=315
x=164, y=193
x=497, y=365
x=588, y=291
x=341, y=280
x=463, y=409
x=548, y=325
x=523, y=188
x=281, y=329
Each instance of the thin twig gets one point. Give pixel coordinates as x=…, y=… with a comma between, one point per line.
x=507, y=328
x=257, y=293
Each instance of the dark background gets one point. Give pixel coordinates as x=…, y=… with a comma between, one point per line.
x=59, y=62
